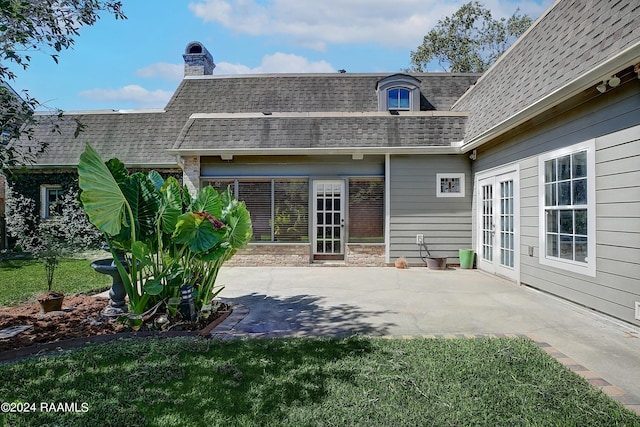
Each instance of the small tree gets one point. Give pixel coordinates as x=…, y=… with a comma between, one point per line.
x=469, y=41
x=64, y=233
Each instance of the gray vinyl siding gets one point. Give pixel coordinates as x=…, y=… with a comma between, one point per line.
x=415, y=209
x=614, y=122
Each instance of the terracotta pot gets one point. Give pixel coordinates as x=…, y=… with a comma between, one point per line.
x=51, y=301
x=401, y=263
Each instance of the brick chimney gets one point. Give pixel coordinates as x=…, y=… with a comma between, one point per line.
x=197, y=60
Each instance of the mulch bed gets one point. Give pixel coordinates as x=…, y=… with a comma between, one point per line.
x=81, y=317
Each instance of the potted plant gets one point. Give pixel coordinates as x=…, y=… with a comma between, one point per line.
x=401, y=262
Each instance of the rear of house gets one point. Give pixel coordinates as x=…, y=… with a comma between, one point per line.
x=535, y=166
x=556, y=151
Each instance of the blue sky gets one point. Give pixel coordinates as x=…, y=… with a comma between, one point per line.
x=137, y=63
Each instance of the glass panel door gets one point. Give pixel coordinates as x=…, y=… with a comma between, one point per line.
x=487, y=225
x=497, y=224
x=328, y=227
x=507, y=234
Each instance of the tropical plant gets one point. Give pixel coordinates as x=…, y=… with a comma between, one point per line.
x=170, y=239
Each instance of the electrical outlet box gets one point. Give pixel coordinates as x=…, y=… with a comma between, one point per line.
x=419, y=239
x=637, y=310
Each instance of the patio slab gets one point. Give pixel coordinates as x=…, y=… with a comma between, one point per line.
x=416, y=302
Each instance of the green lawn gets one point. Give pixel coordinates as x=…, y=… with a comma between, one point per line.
x=300, y=382
x=22, y=280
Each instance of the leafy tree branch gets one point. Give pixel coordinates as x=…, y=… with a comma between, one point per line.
x=469, y=41
x=27, y=26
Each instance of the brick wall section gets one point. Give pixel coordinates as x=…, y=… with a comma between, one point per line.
x=271, y=255
x=361, y=255
x=282, y=255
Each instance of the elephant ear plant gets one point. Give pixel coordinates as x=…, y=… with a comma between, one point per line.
x=170, y=239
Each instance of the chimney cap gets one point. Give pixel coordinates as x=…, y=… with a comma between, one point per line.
x=197, y=60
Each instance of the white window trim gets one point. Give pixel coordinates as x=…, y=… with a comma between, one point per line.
x=588, y=268
x=398, y=82
x=408, y=89
x=44, y=204
x=441, y=176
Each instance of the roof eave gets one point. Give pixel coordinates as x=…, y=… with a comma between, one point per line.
x=626, y=58
x=447, y=149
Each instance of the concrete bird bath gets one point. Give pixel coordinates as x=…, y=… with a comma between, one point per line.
x=117, y=294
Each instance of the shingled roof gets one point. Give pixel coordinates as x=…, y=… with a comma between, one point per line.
x=570, y=41
x=209, y=133
x=145, y=138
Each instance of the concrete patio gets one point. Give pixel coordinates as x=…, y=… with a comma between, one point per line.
x=322, y=301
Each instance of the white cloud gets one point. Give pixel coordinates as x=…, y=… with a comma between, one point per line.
x=277, y=63
x=316, y=24
x=137, y=95
x=164, y=70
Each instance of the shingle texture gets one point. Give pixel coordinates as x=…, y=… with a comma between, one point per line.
x=321, y=132
x=575, y=36
x=143, y=138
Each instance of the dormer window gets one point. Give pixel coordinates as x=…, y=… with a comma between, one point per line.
x=399, y=92
x=399, y=99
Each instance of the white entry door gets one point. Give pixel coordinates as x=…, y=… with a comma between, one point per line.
x=498, y=224
x=328, y=219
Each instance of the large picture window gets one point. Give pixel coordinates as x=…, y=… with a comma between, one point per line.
x=566, y=194
x=278, y=207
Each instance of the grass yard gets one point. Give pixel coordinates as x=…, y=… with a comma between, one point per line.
x=298, y=382
x=21, y=280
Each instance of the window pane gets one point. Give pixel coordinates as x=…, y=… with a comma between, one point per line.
x=366, y=210
x=404, y=98
x=552, y=221
x=257, y=197
x=393, y=99
x=566, y=247
x=552, y=245
x=580, y=164
x=581, y=249
x=564, y=193
x=564, y=167
x=566, y=222
x=549, y=171
x=581, y=222
x=550, y=195
x=291, y=217
x=580, y=192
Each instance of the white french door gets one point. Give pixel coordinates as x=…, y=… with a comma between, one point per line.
x=498, y=224
x=328, y=219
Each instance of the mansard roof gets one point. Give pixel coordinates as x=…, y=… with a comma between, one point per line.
x=144, y=138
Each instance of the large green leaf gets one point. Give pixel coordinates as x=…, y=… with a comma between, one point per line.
x=170, y=204
x=156, y=178
x=102, y=199
x=196, y=230
x=208, y=200
x=239, y=226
